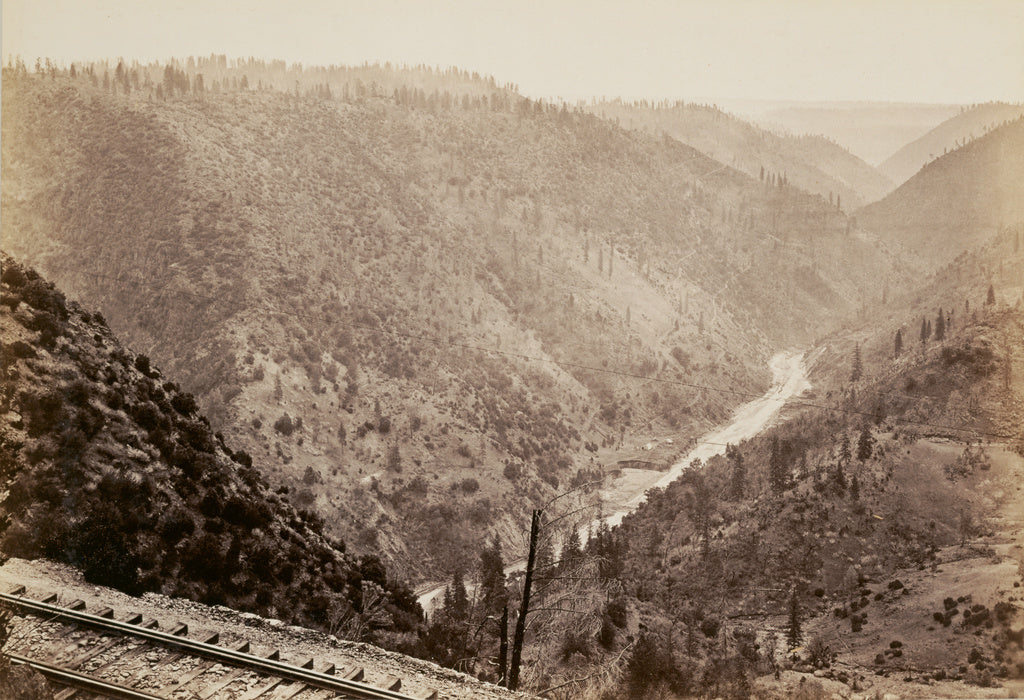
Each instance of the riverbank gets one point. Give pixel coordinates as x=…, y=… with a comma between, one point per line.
x=625, y=493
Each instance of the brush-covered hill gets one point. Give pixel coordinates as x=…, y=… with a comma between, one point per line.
x=874, y=535
x=969, y=124
x=812, y=163
x=888, y=501
x=418, y=311
x=956, y=201
x=107, y=465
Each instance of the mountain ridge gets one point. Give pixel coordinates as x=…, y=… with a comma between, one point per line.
x=957, y=200
x=950, y=134
x=813, y=163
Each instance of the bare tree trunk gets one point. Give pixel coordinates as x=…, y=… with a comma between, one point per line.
x=517, y=642
x=503, y=649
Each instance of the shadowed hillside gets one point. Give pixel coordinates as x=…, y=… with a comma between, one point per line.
x=109, y=466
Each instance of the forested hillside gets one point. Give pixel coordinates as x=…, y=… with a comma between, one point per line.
x=971, y=123
x=420, y=301
x=956, y=201
x=810, y=162
x=108, y=465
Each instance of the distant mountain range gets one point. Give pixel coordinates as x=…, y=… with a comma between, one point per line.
x=871, y=130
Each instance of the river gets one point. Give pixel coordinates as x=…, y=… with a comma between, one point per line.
x=789, y=380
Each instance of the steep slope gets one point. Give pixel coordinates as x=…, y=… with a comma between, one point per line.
x=419, y=312
x=812, y=163
x=110, y=467
x=955, y=201
x=956, y=131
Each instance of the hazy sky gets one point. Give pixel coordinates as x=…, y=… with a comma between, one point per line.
x=899, y=50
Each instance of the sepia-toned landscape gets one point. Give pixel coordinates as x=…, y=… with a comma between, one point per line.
x=389, y=379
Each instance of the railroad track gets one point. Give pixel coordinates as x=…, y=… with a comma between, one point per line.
x=95, y=654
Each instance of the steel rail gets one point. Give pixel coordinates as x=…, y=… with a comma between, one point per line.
x=266, y=665
x=81, y=681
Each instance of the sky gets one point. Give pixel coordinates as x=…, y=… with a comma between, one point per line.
x=939, y=51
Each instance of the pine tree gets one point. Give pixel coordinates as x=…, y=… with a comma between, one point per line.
x=839, y=478
x=572, y=550
x=924, y=330
x=991, y=298
x=898, y=343
x=394, y=459
x=793, y=631
x=844, y=451
x=858, y=366
x=456, y=601
x=940, y=326
x=777, y=476
x=492, y=579
x=865, y=444
x=737, y=484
